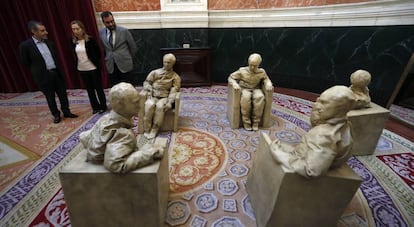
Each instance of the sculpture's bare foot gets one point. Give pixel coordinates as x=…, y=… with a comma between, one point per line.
x=255, y=126
x=248, y=127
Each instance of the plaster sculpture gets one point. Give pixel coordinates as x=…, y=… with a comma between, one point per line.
x=359, y=85
x=250, y=80
x=112, y=141
x=160, y=87
x=368, y=119
x=328, y=143
x=280, y=198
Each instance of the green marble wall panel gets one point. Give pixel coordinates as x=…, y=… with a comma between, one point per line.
x=310, y=59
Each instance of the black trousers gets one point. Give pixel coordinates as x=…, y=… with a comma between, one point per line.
x=93, y=84
x=55, y=85
x=117, y=76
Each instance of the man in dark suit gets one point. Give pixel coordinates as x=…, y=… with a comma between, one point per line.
x=120, y=49
x=39, y=55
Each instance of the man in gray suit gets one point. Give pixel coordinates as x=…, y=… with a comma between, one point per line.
x=120, y=48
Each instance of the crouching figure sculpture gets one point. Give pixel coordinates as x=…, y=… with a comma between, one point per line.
x=328, y=143
x=112, y=141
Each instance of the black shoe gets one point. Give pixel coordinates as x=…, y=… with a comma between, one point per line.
x=96, y=111
x=56, y=119
x=70, y=115
x=101, y=111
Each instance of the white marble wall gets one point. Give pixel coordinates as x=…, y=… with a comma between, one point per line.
x=195, y=14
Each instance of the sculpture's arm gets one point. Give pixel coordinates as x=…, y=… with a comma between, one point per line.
x=311, y=158
x=175, y=88
x=122, y=154
x=233, y=78
x=94, y=142
x=147, y=85
x=319, y=150
x=143, y=157
x=282, y=153
x=267, y=83
x=118, y=149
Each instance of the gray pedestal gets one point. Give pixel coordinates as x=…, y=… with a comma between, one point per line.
x=279, y=198
x=367, y=126
x=97, y=197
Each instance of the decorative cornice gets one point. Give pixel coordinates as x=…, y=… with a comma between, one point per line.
x=194, y=5
x=376, y=13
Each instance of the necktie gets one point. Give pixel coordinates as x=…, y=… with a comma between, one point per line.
x=110, y=39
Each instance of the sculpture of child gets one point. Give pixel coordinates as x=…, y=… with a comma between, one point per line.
x=359, y=85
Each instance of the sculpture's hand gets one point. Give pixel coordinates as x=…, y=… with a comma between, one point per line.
x=236, y=86
x=269, y=88
x=281, y=153
x=159, y=152
x=276, y=145
x=167, y=106
x=148, y=92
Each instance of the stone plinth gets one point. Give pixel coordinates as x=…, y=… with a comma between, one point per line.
x=367, y=126
x=97, y=197
x=279, y=198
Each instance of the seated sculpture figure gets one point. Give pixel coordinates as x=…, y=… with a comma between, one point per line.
x=160, y=87
x=112, y=141
x=250, y=80
x=359, y=85
x=328, y=143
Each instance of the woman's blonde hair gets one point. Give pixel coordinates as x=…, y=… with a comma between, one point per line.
x=82, y=26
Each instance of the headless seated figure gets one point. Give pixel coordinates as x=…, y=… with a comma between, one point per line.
x=359, y=85
x=161, y=87
x=112, y=141
x=250, y=80
x=328, y=143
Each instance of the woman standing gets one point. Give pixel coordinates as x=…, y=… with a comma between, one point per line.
x=88, y=57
